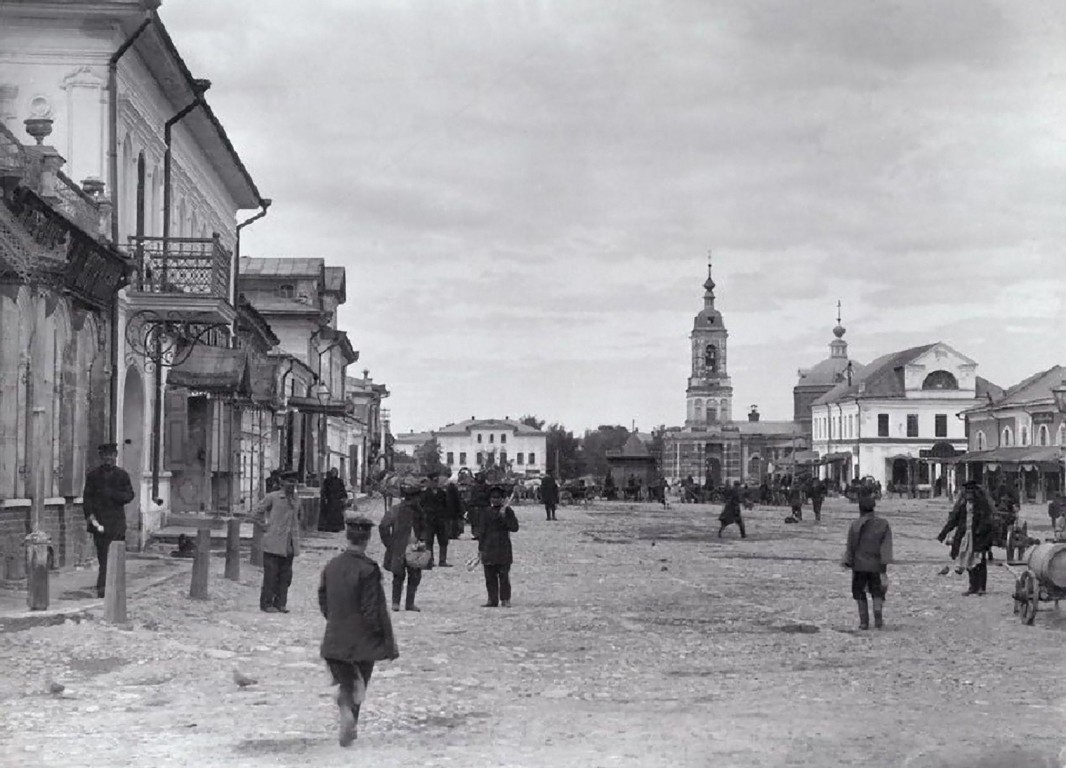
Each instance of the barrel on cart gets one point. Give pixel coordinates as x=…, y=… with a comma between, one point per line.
x=1044, y=579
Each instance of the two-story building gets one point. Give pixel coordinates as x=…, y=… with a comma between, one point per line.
x=475, y=443
x=135, y=127
x=900, y=419
x=1018, y=438
x=367, y=431
x=299, y=298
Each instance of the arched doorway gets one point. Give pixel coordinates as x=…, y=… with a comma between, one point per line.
x=131, y=452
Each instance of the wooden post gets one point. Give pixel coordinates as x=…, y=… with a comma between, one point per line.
x=115, y=585
x=37, y=542
x=36, y=574
x=233, y=549
x=257, y=545
x=201, y=565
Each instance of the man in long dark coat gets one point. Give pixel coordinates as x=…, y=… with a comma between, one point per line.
x=731, y=511
x=434, y=503
x=358, y=628
x=549, y=494
x=334, y=497
x=479, y=503
x=817, y=493
x=403, y=524
x=107, y=492
x=494, y=547
x=971, y=520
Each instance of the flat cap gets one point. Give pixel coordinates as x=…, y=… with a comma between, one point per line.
x=354, y=519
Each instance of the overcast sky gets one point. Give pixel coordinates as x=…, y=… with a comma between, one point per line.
x=523, y=193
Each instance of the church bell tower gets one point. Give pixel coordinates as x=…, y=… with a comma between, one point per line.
x=710, y=392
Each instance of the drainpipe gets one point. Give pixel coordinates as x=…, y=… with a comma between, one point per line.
x=264, y=203
x=112, y=110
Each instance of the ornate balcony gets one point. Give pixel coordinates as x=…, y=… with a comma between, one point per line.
x=191, y=275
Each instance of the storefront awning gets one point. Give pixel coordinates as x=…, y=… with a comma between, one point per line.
x=328, y=407
x=215, y=370
x=1015, y=455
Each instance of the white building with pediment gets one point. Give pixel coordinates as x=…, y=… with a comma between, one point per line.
x=899, y=418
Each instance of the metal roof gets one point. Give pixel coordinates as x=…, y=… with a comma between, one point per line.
x=282, y=267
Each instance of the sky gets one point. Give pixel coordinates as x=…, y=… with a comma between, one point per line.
x=524, y=193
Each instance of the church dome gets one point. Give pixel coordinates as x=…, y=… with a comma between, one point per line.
x=708, y=318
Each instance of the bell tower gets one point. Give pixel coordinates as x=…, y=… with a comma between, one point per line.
x=710, y=392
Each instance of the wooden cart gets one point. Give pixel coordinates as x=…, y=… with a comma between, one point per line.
x=1043, y=580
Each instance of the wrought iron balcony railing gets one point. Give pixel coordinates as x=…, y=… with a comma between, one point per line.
x=191, y=265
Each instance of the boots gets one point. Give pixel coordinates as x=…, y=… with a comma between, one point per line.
x=864, y=614
x=349, y=719
x=879, y=603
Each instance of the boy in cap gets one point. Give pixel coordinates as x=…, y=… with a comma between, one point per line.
x=358, y=629
x=403, y=524
x=868, y=554
x=107, y=491
x=278, y=513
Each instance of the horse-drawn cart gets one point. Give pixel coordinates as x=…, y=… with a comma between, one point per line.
x=1044, y=579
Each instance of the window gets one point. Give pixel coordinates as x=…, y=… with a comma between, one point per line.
x=503, y=458
x=492, y=438
x=851, y=426
x=1061, y=439
x=1007, y=437
x=503, y=438
x=451, y=459
x=940, y=380
x=286, y=291
x=479, y=439
x=980, y=440
x=1045, y=435
x=480, y=458
x=520, y=459
x=462, y=458
x=532, y=458
x=941, y=428
x=912, y=425
x=710, y=358
x=1024, y=435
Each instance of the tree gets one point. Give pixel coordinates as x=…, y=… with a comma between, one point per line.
x=532, y=421
x=428, y=457
x=596, y=444
x=562, y=452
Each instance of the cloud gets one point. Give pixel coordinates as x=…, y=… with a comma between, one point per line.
x=523, y=193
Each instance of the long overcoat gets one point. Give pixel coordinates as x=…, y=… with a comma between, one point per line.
x=982, y=525
x=494, y=536
x=107, y=492
x=731, y=509
x=400, y=523
x=352, y=600
x=279, y=516
x=549, y=491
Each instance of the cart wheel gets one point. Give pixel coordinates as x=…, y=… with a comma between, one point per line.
x=1031, y=598
x=1018, y=595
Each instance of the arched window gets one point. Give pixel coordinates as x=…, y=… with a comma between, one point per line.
x=1007, y=438
x=980, y=440
x=940, y=380
x=1044, y=435
x=712, y=411
x=710, y=358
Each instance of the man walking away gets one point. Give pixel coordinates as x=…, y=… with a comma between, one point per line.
x=358, y=628
x=334, y=496
x=455, y=510
x=479, y=503
x=107, y=492
x=434, y=503
x=818, y=493
x=403, y=524
x=731, y=511
x=549, y=494
x=494, y=545
x=868, y=555
x=279, y=515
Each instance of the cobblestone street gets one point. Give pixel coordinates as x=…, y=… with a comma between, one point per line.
x=637, y=638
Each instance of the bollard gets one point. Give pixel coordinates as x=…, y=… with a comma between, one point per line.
x=233, y=549
x=201, y=564
x=115, y=584
x=37, y=571
x=257, y=545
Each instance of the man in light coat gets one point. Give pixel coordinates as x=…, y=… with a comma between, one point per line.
x=403, y=524
x=279, y=515
x=868, y=554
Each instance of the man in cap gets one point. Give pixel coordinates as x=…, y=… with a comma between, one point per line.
x=278, y=513
x=479, y=503
x=971, y=520
x=358, y=629
x=868, y=554
x=402, y=525
x=434, y=503
x=494, y=547
x=549, y=494
x=107, y=492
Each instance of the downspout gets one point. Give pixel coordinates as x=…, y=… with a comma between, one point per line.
x=112, y=110
x=264, y=203
x=157, y=404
